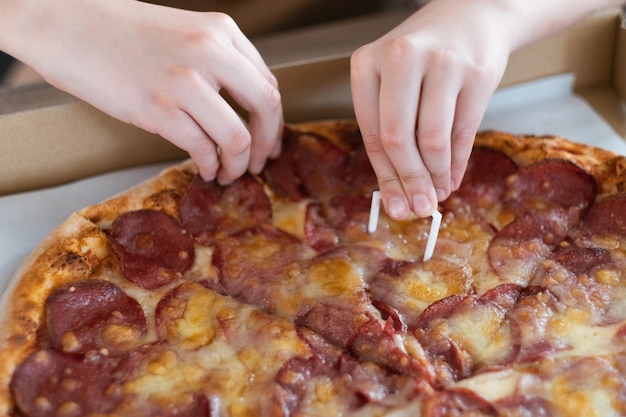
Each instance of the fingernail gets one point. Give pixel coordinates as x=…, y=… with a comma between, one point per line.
x=441, y=194
x=422, y=205
x=397, y=208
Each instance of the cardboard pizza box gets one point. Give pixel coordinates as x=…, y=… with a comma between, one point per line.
x=50, y=138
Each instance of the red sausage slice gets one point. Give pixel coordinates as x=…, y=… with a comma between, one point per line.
x=152, y=247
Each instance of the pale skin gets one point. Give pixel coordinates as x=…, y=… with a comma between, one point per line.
x=419, y=91
x=159, y=68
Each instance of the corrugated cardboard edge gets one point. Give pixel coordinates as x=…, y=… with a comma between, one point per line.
x=68, y=141
x=606, y=92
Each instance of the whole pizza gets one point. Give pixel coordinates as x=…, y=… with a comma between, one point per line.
x=270, y=297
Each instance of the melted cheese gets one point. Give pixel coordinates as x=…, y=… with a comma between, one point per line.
x=227, y=349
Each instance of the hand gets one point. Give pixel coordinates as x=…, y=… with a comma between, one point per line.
x=163, y=69
x=419, y=95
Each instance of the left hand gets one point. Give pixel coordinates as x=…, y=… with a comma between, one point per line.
x=419, y=95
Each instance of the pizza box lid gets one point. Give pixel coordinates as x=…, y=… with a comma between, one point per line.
x=51, y=138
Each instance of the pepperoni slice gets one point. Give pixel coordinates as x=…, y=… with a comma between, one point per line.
x=530, y=325
x=369, y=384
x=152, y=247
x=250, y=263
x=343, y=220
x=93, y=315
x=209, y=210
x=484, y=181
x=554, y=182
x=443, y=331
x=582, y=260
x=606, y=218
x=516, y=250
x=371, y=342
x=321, y=166
x=281, y=174
x=458, y=402
x=51, y=383
x=335, y=322
x=359, y=172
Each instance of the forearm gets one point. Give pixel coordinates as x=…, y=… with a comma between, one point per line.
x=48, y=36
x=23, y=27
x=539, y=18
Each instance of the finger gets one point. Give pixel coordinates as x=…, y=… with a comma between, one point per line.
x=249, y=51
x=365, y=86
x=440, y=90
x=400, y=94
x=183, y=131
x=223, y=125
x=471, y=106
x=261, y=99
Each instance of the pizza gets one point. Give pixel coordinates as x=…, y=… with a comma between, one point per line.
x=270, y=297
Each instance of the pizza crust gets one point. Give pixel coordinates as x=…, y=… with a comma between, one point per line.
x=74, y=249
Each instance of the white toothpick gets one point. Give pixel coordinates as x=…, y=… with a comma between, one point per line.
x=432, y=235
x=374, y=212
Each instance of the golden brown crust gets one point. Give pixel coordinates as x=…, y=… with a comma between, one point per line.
x=78, y=246
x=72, y=251
x=608, y=168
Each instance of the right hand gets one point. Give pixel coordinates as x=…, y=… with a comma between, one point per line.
x=163, y=69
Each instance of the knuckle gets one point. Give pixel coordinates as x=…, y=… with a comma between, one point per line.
x=401, y=47
x=372, y=143
x=394, y=140
x=220, y=19
x=272, y=99
x=359, y=58
x=239, y=142
x=432, y=142
x=389, y=181
x=463, y=136
x=414, y=178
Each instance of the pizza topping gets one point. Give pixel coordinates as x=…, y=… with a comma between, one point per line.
x=93, y=315
x=552, y=182
x=341, y=221
x=152, y=247
x=252, y=264
x=51, y=383
x=484, y=181
x=209, y=211
x=457, y=403
x=376, y=343
x=517, y=250
x=276, y=296
x=606, y=218
x=280, y=173
x=321, y=166
x=581, y=260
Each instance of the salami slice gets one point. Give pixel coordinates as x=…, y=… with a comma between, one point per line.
x=251, y=264
x=51, y=383
x=209, y=211
x=152, y=247
x=554, y=182
x=607, y=217
x=342, y=221
x=484, y=181
x=516, y=250
x=93, y=315
x=321, y=166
